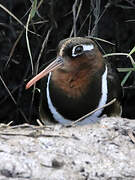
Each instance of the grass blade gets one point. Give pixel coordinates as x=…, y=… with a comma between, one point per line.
x=28, y=44
x=31, y=15
x=8, y=91
x=34, y=9
x=132, y=51
x=125, y=78
x=125, y=69
x=12, y=15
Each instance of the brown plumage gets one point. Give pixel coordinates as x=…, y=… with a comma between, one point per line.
x=80, y=81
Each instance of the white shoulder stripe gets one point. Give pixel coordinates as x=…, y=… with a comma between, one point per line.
x=93, y=118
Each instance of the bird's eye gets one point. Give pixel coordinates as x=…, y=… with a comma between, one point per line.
x=77, y=50
x=80, y=49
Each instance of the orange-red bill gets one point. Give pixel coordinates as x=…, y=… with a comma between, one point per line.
x=51, y=67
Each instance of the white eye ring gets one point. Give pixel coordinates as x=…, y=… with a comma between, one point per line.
x=86, y=47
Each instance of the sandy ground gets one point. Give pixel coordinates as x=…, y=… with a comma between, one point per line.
x=104, y=151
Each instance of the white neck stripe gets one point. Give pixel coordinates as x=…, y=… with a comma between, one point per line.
x=92, y=118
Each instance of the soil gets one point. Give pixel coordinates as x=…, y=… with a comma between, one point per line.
x=104, y=151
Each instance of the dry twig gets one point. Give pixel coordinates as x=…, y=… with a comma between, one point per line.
x=80, y=119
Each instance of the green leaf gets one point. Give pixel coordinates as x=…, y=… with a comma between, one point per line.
x=34, y=9
x=125, y=78
x=132, y=51
x=125, y=69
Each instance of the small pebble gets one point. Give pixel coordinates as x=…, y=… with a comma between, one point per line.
x=57, y=163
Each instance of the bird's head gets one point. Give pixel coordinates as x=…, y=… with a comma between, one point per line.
x=73, y=55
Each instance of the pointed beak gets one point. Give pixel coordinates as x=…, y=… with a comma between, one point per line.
x=57, y=63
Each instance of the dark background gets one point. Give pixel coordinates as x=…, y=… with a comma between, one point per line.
x=54, y=20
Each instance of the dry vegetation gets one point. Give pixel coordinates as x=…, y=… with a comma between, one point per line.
x=30, y=32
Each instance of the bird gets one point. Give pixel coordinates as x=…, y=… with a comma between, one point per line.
x=77, y=82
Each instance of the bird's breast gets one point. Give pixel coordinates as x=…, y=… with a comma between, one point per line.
x=81, y=98
x=73, y=85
